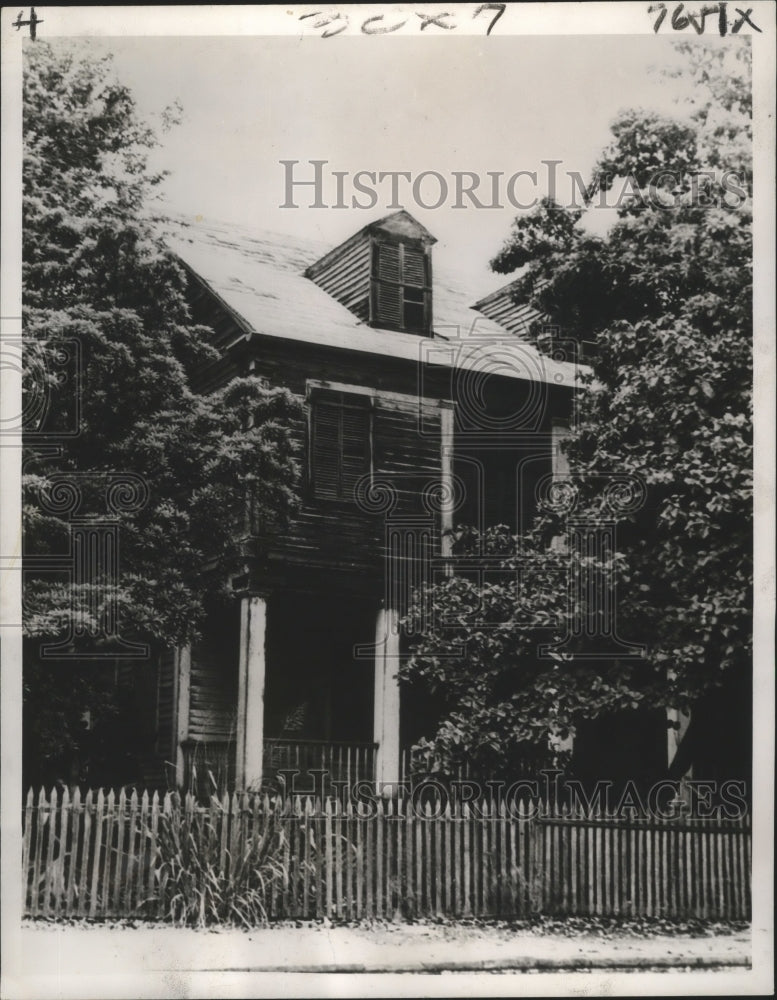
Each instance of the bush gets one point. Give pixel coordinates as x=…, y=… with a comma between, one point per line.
x=212, y=875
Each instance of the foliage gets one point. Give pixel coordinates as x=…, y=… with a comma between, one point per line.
x=666, y=298
x=198, y=885
x=96, y=272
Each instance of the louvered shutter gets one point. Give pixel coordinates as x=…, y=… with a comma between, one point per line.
x=340, y=446
x=413, y=267
x=326, y=449
x=388, y=302
x=355, y=448
x=388, y=262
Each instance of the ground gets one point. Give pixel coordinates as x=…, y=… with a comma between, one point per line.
x=570, y=957
x=380, y=946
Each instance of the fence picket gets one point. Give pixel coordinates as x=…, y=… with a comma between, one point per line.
x=428, y=860
x=446, y=837
x=121, y=806
x=328, y=848
x=48, y=873
x=27, y=848
x=397, y=866
x=408, y=869
x=338, y=862
x=154, y=891
x=467, y=859
x=65, y=854
x=142, y=841
x=96, y=854
x=86, y=847
x=380, y=829
x=747, y=844
x=347, y=837
x=370, y=861
x=417, y=849
x=105, y=873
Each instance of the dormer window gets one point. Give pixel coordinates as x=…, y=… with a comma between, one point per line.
x=401, y=286
x=383, y=274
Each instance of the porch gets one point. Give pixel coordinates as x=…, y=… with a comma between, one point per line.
x=291, y=681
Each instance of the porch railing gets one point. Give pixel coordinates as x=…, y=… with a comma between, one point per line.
x=210, y=765
x=318, y=760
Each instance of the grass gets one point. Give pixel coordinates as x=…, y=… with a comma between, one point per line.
x=206, y=878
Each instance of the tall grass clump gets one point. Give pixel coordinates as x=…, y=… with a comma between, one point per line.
x=220, y=864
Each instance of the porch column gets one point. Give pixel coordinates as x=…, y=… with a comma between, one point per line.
x=182, y=669
x=677, y=727
x=386, y=717
x=250, y=697
x=675, y=736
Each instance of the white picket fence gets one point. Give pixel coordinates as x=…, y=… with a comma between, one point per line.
x=99, y=856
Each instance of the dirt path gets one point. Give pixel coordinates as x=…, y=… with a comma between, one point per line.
x=422, y=947
x=62, y=961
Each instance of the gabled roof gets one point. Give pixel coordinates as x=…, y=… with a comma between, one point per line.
x=259, y=277
x=402, y=223
x=504, y=309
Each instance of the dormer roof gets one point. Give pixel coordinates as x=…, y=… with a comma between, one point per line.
x=259, y=279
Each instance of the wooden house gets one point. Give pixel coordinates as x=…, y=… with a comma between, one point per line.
x=420, y=412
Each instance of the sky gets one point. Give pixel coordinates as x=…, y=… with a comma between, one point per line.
x=382, y=104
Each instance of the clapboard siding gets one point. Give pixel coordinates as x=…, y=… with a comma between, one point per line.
x=337, y=533
x=165, y=712
x=346, y=275
x=213, y=681
x=341, y=532
x=508, y=311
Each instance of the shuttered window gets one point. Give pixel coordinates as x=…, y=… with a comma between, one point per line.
x=340, y=444
x=402, y=297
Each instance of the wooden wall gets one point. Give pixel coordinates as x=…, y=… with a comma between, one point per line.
x=214, y=677
x=345, y=275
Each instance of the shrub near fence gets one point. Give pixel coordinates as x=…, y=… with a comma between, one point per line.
x=110, y=855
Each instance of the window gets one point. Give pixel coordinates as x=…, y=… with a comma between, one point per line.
x=340, y=443
x=402, y=296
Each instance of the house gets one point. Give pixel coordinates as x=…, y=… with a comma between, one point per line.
x=421, y=412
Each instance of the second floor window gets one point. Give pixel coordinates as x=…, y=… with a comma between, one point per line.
x=340, y=443
x=401, y=292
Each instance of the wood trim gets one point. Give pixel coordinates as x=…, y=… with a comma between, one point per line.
x=375, y=394
x=182, y=695
x=446, y=475
x=251, y=686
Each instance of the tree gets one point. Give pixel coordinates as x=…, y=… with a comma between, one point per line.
x=665, y=296
x=96, y=273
